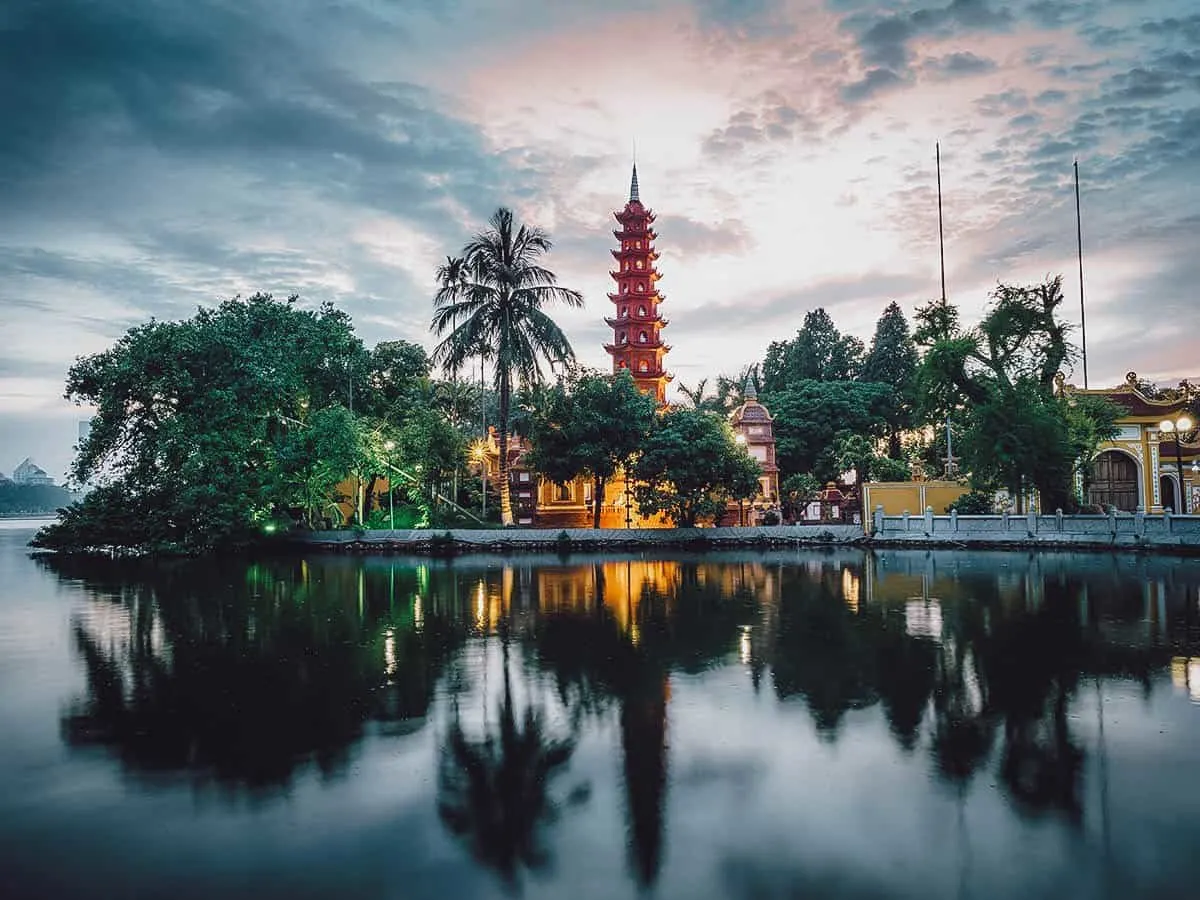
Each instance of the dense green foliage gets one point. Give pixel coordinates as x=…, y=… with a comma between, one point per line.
x=492, y=303
x=31, y=499
x=818, y=352
x=194, y=440
x=690, y=467
x=893, y=361
x=1015, y=429
x=810, y=416
x=590, y=425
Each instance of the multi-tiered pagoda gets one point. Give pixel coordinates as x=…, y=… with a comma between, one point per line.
x=637, y=328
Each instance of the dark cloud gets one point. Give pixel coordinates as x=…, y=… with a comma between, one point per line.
x=956, y=64
x=767, y=119
x=874, y=82
x=1186, y=28
x=1002, y=104
x=1049, y=97
x=684, y=237
x=218, y=86
x=883, y=41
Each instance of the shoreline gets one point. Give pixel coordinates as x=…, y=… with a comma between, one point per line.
x=453, y=542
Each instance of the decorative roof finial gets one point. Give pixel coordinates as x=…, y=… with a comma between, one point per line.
x=750, y=392
x=633, y=187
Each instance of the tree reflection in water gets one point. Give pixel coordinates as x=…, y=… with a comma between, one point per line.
x=241, y=673
x=238, y=674
x=494, y=791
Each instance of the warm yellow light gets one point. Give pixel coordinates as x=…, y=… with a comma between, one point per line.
x=1183, y=423
x=1166, y=425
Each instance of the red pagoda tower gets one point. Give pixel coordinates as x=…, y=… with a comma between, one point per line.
x=637, y=329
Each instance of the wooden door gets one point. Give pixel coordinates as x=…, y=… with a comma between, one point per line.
x=1114, y=481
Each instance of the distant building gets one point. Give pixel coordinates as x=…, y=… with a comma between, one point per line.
x=29, y=472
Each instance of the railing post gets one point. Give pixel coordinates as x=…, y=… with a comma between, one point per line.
x=1031, y=522
x=929, y=520
x=1112, y=520
x=878, y=517
x=1169, y=521
x=1058, y=519
x=1004, y=520
x=954, y=520
x=906, y=518
x=1139, y=521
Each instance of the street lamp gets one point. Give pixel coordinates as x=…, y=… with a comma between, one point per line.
x=1178, y=426
x=389, y=446
x=479, y=454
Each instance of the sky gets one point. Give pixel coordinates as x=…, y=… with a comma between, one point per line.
x=156, y=156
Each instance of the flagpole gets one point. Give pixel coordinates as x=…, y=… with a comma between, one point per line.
x=1079, y=239
x=937, y=149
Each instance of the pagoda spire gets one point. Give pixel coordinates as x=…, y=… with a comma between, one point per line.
x=633, y=186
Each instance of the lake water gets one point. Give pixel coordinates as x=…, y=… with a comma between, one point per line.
x=836, y=724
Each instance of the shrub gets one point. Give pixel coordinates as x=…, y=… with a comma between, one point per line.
x=974, y=503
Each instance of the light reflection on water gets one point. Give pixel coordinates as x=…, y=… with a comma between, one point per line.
x=833, y=724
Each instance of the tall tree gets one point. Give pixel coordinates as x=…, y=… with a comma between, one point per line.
x=690, y=467
x=812, y=414
x=818, y=352
x=591, y=425
x=499, y=303
x=194, y=421
x=893, y=361
x=1016, y=428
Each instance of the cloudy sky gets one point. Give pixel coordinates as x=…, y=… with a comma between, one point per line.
x=156, y=155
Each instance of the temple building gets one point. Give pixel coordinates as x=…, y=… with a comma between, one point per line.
x=1143, y=466
x=637, y=346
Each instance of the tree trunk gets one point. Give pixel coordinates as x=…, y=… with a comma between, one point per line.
x=506, y=514
x=597, y=499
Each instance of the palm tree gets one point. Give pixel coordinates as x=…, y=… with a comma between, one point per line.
x=695, y=397
x=497, y=303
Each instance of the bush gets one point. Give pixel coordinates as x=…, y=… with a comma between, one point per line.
x=974, y=503
x=771, y=517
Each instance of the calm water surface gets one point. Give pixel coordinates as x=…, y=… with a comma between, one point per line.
x=804, y=724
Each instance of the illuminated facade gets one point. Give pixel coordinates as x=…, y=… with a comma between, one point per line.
x=1139, y=467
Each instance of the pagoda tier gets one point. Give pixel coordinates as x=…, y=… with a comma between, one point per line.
x=632, y=322
x=630, y=254
x=624, y=299
x=637, y=345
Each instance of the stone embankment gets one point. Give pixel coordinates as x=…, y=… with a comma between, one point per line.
x=1114, y=531
x=534, y=539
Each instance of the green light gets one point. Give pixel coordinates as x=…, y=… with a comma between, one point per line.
x=269, y=528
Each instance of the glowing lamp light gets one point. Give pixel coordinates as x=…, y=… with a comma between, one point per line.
x=1183, y=423
x=741, y=439
x=389, y=446
x=269, y=528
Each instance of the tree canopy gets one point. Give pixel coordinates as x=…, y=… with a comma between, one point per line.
x=1015, y=430
x=194, y=429
x=818, y=352
x=690, y=467
x=592, y=425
